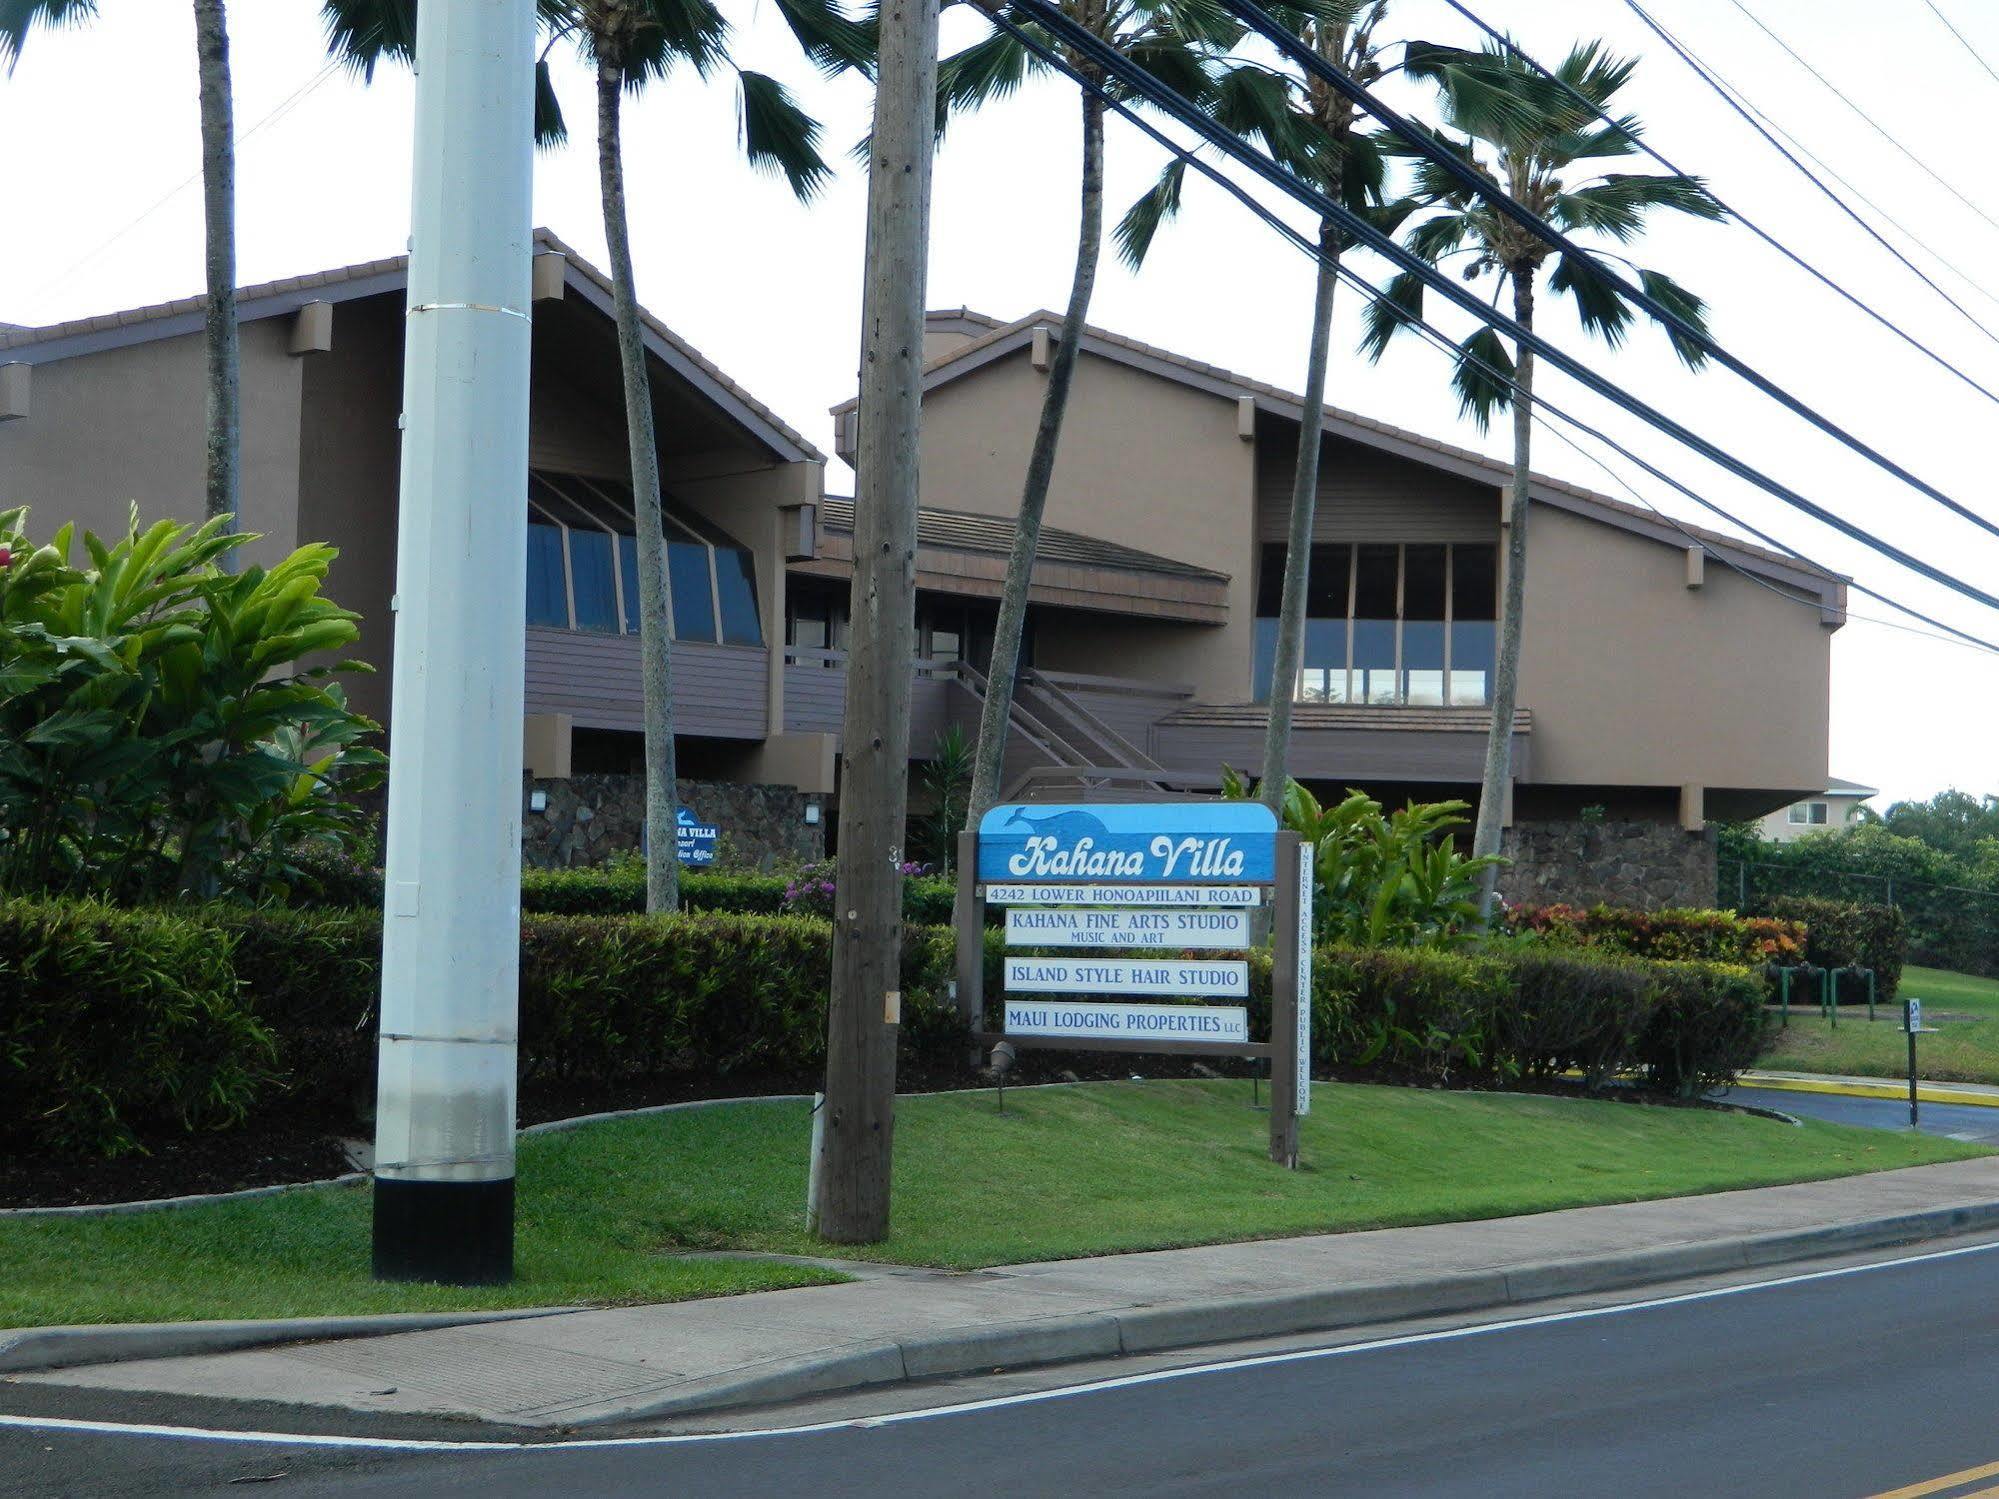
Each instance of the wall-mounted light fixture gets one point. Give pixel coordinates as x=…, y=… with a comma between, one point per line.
x=537, y=801
x=812, y=814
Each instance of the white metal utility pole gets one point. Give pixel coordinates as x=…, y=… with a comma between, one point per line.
x=444, y=1121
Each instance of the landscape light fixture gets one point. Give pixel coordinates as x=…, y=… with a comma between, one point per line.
x=1000, y=1064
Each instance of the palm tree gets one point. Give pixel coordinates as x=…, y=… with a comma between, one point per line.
x=1544, y=158
x=218, y=202
x=628, y=44
x=1317, y=141
x=1176, y=40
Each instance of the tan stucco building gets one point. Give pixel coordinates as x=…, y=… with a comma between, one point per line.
x=1670, y=676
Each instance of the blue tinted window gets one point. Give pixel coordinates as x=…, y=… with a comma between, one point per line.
x=737, y=589
x=693, y=591
x=628, y=568
x=590, y=577
x=548, y=602
x=1266, y=657
x=1471, y=661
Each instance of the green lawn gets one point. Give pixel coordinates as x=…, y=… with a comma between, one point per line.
x=1966, y=1049
x=1065, y=1171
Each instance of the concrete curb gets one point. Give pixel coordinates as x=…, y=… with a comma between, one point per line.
x=1926, y=1092
x=26, y=1348
x=1152, y=1329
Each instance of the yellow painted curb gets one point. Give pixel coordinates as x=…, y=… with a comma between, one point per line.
x=1925, y=1092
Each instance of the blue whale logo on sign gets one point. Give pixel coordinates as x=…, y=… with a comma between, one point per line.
x=1195, y=842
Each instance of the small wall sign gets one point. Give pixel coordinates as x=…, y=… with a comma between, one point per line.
x=1035, y=927
x=695, y=841
x=1098, y=1020
x=1188, y=842
x=1226, y=978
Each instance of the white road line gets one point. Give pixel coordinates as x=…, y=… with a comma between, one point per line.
x=969, y=1407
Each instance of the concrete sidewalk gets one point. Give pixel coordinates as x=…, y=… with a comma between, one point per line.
x=628, y=1363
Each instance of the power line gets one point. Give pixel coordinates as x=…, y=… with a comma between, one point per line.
x=1763, y=125
x=277, y=112
x=1358, y=229
x=1536, y=404
x=1873, y=124
x=1737, y=214
x=1473, y=180
x=1976, y=56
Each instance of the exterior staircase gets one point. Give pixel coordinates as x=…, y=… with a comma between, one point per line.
x=1057, y=749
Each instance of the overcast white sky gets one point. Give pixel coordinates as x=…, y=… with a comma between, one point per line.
x=102, y=210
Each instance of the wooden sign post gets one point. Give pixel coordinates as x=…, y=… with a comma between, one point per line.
x=1121, y=902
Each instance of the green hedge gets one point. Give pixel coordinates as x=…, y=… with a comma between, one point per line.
x=114, y=1024
x=619, y=889
x=1841, y=934
x=131, y=1022
x=1502, y=1014
x=1673, y=935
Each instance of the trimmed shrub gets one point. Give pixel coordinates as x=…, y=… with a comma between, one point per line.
x=1706, y=1025
x=136, y=1021
x=1840, y=934
x=116, y=1023
x=1671, y=936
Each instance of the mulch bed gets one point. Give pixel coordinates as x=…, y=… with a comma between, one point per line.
x=282, y=1151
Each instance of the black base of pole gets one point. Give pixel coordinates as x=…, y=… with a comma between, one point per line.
x=454, y=1233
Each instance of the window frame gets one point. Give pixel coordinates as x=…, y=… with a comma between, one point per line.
x=615, y=516
x=1274, y=552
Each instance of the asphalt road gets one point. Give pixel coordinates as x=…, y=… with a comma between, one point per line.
x=1957, y=1121
x=1855, y=1384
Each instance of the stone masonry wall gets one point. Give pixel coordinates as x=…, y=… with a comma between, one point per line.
x=589, y=818
x=1647, y=865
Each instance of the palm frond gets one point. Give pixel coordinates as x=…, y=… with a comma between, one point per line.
x=672, y=32
x=1684, y=305
x=1436, y=237
x=1482, y=377
x=550, y=129
x=1399, y=306
x=988, y=69
x=361, y=33
x=1593, y=71
x=1252, y=101
x=834, y=40
x=1598, y=303
x=19, y=17
x=778, y=136
x=1174, y=62
x=1145, y=217
x=1617, y=204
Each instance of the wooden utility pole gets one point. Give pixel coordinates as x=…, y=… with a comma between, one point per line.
x=851, y=1204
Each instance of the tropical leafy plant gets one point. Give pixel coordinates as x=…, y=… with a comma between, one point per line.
x=1548, y=158
x=1382, y=879
x=946, y=779
x=161, y=732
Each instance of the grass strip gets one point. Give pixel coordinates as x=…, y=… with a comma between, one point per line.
x=1093, y=1169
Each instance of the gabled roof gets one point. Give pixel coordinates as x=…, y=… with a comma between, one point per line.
x=371, y=278
x=1834, y=786
x=1003, y=339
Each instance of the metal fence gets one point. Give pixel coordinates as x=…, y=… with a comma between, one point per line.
x=1950, y=926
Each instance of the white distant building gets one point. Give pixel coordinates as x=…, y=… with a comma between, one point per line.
x=1838, y=806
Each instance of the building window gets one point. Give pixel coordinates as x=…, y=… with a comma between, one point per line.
x=1807, y=814
x=1387, y=623
x=583, y=565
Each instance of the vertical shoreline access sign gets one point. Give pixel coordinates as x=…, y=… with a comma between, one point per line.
x=1113, y=907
